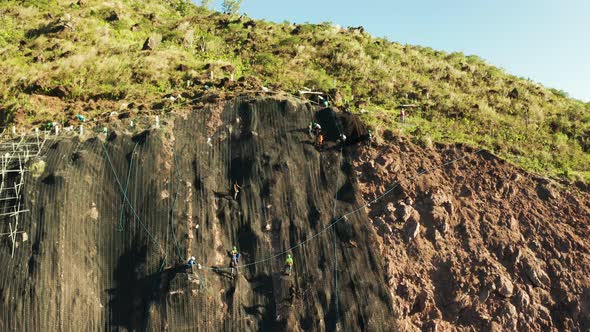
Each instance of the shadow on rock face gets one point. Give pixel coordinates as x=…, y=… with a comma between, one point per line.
x=130, y=301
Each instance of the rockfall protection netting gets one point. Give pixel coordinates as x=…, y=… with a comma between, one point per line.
x=114, y=219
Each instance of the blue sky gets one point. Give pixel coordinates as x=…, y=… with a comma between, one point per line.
x=546, y=41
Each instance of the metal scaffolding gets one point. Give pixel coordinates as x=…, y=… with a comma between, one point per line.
x=15, y=153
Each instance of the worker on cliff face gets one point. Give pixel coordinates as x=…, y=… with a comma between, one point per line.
x=190, y=263
x=342, y=139
x=288, y=264
x=236, y=190
x=317, y=129
x=235, y=257
x=369, y=138
x=320, y=141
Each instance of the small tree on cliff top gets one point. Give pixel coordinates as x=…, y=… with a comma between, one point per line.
x=231, y=6
x=205, y=3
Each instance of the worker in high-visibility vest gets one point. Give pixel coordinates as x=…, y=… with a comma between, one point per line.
x=288, y=264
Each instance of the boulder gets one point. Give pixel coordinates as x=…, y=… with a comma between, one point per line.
x=412, y=230
x=535, y=274
x=513, y=94
x=484, y=294
x=544, y=192
x=521, y=299
x=513, y=223
x=508, y=316
x=152, y=43
x=504, y=286
x=405, y=212
x=113, y=17
x=382, y=227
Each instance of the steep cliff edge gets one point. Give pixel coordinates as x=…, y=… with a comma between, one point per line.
x=112, y=217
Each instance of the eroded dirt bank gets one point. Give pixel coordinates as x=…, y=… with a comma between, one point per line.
x=99, y=259
x=478, y=244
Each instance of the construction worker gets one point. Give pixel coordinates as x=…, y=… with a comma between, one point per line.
x=320, y=141
x=235, y=257
x=369, y=138
x=288, y=264
x=236, y=190
x=342, y=139
x=317, y=129
x=190, y=263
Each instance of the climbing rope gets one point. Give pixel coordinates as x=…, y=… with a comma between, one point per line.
x=121, y=219
x=174, y=205
x=338, y=165
x=150, y=235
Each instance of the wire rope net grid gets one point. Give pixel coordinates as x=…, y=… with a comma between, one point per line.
x=122, y=171
x=17, y=225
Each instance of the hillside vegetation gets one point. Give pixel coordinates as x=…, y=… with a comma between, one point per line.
x=63, y=58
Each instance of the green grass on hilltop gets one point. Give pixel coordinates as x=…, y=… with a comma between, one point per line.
x=61, y=58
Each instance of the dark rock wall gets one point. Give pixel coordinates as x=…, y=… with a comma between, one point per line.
x=96, y=260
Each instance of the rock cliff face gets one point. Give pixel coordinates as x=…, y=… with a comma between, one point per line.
x=462, y=241
x=111, y=218
x=477, y=244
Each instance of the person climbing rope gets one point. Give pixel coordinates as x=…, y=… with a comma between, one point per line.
x=317, y=129
x=288, y=264
x=369, y=138
x=320, y=141
x=190, y=263
x=342, y=139
x=235, y=258
x=236, y=190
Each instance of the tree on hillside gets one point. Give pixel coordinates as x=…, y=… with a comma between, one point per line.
x=231, y=6
x=205, y=3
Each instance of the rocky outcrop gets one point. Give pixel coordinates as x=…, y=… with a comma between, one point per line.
x=504, y=286
x=152, y=43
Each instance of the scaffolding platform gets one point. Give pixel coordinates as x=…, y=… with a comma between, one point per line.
x=15, y=154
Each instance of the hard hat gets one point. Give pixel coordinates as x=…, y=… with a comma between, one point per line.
x=235, y=248
x=288, y=255
x=193, y=257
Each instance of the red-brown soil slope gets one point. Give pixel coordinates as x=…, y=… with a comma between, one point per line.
x=477, y=244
